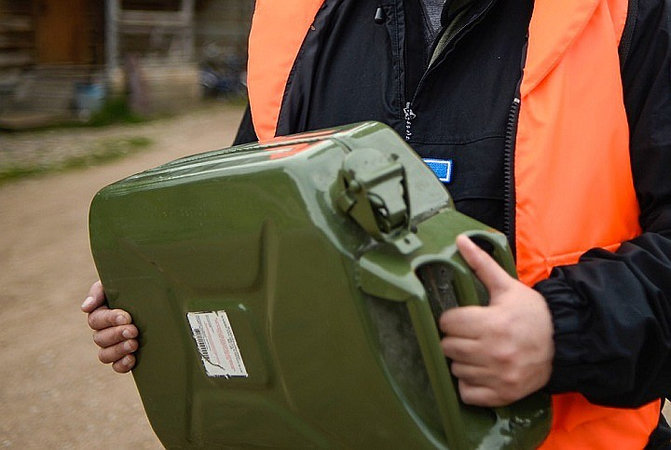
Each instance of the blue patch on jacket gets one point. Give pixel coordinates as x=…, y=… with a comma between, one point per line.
x=441, y=167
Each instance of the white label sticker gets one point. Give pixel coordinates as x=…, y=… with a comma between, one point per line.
x=216, y=344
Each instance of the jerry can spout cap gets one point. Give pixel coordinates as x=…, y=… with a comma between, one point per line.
x=372, y=189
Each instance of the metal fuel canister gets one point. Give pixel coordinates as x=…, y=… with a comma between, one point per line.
x=287, y=295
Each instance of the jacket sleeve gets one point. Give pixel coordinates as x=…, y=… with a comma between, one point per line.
x=612, y=311
x=246, y=133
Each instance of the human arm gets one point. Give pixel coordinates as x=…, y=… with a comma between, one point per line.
x=612, y=311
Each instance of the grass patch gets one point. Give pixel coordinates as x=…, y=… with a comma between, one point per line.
x=103, y=151
x=114, y=111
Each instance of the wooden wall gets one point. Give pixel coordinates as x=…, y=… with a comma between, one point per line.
x=51, y=32
x=34, y=32
x=17, y=35
x=45, y=40
x=225, y=23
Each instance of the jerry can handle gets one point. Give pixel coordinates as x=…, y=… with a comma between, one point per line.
x=377, y=276
x=500, y=248
x=428, y=334
x=464, y=282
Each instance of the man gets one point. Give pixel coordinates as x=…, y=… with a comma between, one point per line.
x=568, y=157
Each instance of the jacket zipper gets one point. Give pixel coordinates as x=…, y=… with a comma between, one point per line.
x=409, y=114
x=508, y=174
x=509, y=158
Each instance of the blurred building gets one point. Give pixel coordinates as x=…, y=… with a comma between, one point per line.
x=60, y=57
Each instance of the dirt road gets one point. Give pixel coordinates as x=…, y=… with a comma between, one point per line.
x=53, y=392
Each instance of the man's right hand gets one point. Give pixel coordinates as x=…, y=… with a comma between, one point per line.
x=113, y=330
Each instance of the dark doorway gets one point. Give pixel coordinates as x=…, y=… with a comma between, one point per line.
x=62, y=32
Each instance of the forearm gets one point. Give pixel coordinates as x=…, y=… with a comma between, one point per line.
x=612, y=319
x=612, y=311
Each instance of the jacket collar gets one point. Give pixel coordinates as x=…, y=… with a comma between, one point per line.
x=554, y=26
x=274, y=42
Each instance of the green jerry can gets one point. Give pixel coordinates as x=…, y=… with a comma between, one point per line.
x=287, y=295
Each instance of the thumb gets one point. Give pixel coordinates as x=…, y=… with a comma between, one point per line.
x=487, y=270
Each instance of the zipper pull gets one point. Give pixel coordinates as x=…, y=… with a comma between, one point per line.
x=380, y=16
x=409, y=116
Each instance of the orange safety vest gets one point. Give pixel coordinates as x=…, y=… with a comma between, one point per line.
x=573, y=182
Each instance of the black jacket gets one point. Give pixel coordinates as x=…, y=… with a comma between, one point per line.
x=611, y=311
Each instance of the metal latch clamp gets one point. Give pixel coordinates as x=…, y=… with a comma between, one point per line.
x=372, y=189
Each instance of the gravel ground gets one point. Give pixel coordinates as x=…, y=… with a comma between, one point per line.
x=54, y=147
x=53, y=392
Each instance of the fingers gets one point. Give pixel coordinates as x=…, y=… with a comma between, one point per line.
x=487, y=270
x=95, y=298
x=467, y=351
x=474, y=375
x=473, y=394
x=460, y=321
x=124, y=364
x=114, y=332
x=116, y=352
x=103, y=318
x=501, y=352
x=113, y=335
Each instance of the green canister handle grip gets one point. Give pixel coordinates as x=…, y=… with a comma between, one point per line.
x=465, y=284
x=501, y=249
x=454, y=422
x=467, y=294
x=379, y=277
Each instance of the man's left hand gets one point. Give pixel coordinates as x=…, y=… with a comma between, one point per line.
x=502, y=352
